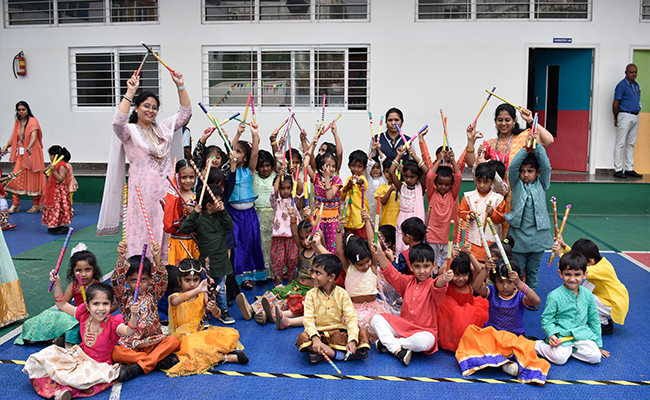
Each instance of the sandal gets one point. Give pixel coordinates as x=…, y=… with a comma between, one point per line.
x=247, y=285
x=35, y=208
x=13, y=209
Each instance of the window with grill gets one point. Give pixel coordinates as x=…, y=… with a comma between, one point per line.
x=274, y=10
x=281, y=77
x=98, y=75
x=645, y=10
x=62, y=12
x=503, y=9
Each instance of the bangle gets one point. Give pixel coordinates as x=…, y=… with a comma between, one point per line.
x=130, y=100
x=420, y=163
x=327, y=188
x=128, y=323
x=524, y=289
x=181, y=88
x=59, y=299
x=294, y=220
x=469, y=150
x=395, y=163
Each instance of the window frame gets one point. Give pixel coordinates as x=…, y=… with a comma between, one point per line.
x=116, y=51
x=641, y=14
x=312, y=49
x=55, y=21
x=313, y=4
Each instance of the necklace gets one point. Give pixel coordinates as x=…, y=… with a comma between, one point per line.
x=150, y=135
x=505, y=152
x=90, y=338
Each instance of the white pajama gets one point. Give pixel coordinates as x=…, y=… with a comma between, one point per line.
x=585, y=350
x=418, y=342
x=627, y=127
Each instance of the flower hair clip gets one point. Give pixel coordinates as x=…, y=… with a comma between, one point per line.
x=80, y=247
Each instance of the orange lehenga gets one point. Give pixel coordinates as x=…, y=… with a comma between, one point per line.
x=31, y=180
x=200, y=349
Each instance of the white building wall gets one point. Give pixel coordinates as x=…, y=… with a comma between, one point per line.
x=418, y=67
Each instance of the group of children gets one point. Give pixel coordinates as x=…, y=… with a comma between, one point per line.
x=323, y=240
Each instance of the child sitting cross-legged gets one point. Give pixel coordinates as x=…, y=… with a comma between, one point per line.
x=326, y=307
x=570, y=318
x=416, y=329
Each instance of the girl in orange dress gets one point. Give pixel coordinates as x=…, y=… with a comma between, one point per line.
x=200, y=349
x=57, y=211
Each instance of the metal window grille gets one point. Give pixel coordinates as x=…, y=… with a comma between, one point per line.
x=504, y=9
x=444, y=9
x=286, y=77
x=645, y=10
x=562, y=9
x=98, y=76
x=276, y=10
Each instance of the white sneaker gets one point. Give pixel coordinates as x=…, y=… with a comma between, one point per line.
x=511, y=368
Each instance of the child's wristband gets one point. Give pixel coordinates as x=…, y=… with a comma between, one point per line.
x=524, y=289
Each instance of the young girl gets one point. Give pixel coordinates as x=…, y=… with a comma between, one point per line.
x=57, y=211
x=262, y=188
x=460, y=308
x=503, y=341
x=85, y=370
x=200, y=349
x=375, y=176
x=175, y=213
x=202, y=153
x=327, y=191
x=335, y=148
x=53, y=324
x=529, y=176
x=411, y=192
x=360, y=275
x=284, y=251
x=249, y=260
x=4, y=207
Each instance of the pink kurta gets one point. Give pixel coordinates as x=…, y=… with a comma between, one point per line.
x=149, y=173
x=100, y=349
x=422, y=300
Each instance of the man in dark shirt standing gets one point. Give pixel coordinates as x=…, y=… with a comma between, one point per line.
x=626, y=107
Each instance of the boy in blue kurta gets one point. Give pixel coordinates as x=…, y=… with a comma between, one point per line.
x=529, y=175
x=570, y=318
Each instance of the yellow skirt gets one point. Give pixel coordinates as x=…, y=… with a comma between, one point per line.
x=176, y=252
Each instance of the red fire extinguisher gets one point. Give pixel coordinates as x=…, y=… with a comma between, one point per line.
x=20, y=68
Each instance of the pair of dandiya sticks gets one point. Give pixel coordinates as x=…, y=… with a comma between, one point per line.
x=56, y=160
x=58, y=265
x=558, y=232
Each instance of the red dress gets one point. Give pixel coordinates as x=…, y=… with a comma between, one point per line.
x=57, y=208
x=457, y=312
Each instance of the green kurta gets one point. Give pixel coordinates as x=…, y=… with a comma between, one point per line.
x=210, y=230
x=566, y=314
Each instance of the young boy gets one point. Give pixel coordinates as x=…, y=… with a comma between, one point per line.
x=148, y=348
x=443, y=184
x=413, y=232
x=326, y=306
x=611, y=296
x=389, y=203
x=353, y=187
x=486, y=203
x=417, y=327
x=210, y=221
x=570, y=318
x=375, y=177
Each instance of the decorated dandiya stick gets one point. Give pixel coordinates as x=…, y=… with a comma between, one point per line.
x=535, y=122
x=253, y=109
x=144, y=212
x=459, y=232
x=248, y=104
x=81, y=286
x=11, y=178
x=484, y=104
x=504, y=100
x=416, y=135
x=322, y=119
x=306, y=184
x=205, y=183
x=375, y=227
x=137, y=285
x=137, y=73
x=177, y=190
x=285, y=121
x=58, y=263
x=222, y=123
x=242, y=122
x=157, y=58
x=55, y=161
x=499, y=244
x=331, y=363
x=450, y=245
x=207, y=173
x=477, y=218
x=554, y=202
x=315, y=228
x=124, y=203
x=372, y=129
x=381, y=122
x=559, y=234
x=347, y=203
x=485, y=222
x=363, y=197
x=295, y=187
x=335, y=119
x=293, y=115
x=377, y=215
x=189, y=255
x=399, y=129
x=215, y=122
x=465, y=231
x=444, y=130
x=398, y=175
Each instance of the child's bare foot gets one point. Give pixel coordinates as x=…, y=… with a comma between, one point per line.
x=281, y=320
x=266, y=304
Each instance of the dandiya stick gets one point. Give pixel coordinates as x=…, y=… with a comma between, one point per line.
x=11, y=178
x=285, y=121
x=306, y=184
x=331, y=363
x=186, y=249
x=253, y=109
x=564, y=339
x=322, y=119
x=372, y=129
x=56, y=160
x=477, y=218
x=137, y=73
x=485, y=222
x=222, y=123
x=124, y=203
x=347, y=203
x=240, y=120
x=137, y=285
x=465, y=231
x=484, y=104
x=554, y=202
x=460, y=230
x=566, y=215
x=417, y=134
x=381, y=122
x=499, y=244
x=315, y=228
x=293, y=115
x=177, y=190
x=450, y=245
x=205, y=183
x=363, y=197
x=215, y=122
x=328, y=127
x=377, y=215
x=295, y=187
x=157, y=58
x=399, y=129
x=504, y=100
x=144, y=212
x=248, y=104
x=207, y=173
x=81, y=286
x=58, y=263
